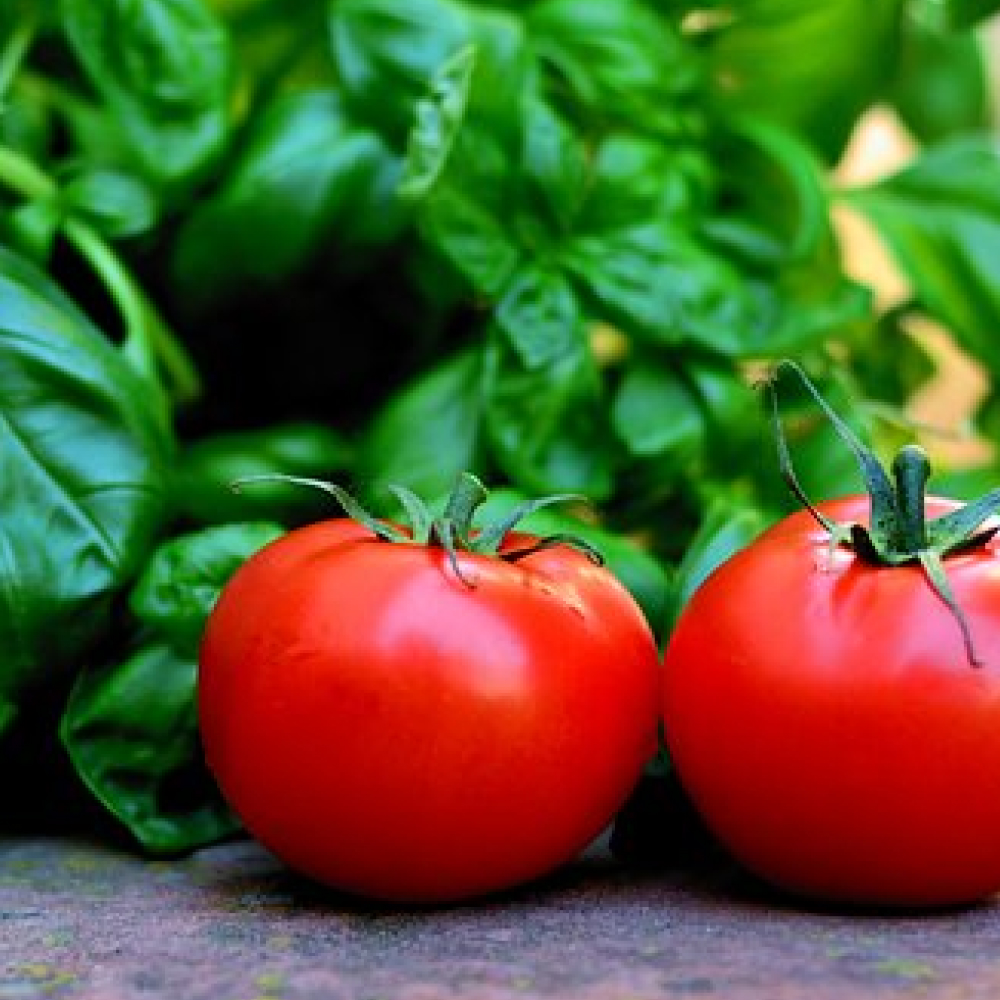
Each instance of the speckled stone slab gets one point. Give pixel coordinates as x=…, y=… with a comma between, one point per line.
x=79, y=920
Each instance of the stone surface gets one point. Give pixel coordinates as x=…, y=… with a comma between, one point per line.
x=79, y=920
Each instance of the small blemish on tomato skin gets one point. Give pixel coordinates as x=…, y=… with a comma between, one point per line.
x=558, y=593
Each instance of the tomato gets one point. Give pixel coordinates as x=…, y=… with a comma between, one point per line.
x=402, y=732
x=827, y=721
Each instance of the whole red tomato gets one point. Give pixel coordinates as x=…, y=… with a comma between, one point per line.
x=826, y=719
x=401, y=730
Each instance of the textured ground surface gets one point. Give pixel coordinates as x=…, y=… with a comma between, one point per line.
x=78, y=920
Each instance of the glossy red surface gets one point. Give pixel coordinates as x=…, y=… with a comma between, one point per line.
x=391, y=730
x=827, y=722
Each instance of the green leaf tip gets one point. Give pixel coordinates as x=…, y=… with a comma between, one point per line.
x=898, y=532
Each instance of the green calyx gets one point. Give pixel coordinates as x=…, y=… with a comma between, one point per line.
x=453, y=529
x=899, y=533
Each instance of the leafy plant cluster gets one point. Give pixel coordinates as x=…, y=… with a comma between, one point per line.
x=386, y=242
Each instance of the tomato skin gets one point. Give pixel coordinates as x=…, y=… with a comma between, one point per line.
x=828, y=725
x=389, y=730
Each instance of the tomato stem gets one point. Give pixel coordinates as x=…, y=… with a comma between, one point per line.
x=910, y=470
x=453, y=530
x=898, y=532
x=466, y=497
x=352, y=508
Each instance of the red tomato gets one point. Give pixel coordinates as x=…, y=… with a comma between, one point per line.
x=392, y=731
x=826, y=721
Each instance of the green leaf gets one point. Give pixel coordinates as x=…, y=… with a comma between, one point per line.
x=655, y=413
x=163, y=70
x=545, y=424
x=33, y=227
x=26, y=123
x=729, y=404
x=553, y=164
x=83, y=488
x=891, y=365
x=799, y=310
x=772, y=181
x=539, y=315
x=729, y=524
x=131, y=732
x=300, y=173
x=438, y=119
x=941, y=86
x=184, y=576
x=774, y=227
x=130, y=728
x=955, y=14
x=618, y=60
x=473, y=240
x=810, y=67
x=940, y=217
x=208, y=466
x=428, y=432
x=633, y=177
x=505, y=194
x=654, y=280
x=386, y=53
x=117, y=204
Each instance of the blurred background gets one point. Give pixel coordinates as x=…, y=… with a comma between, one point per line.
x=556, y=243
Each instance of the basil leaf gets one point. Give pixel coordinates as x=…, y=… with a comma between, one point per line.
x=940, y=217
x=772, y=181
x=545, y=424
x=798, y=314
x=956, y=14
x=428, y=431
x=130, y=727
x=553, y=165
x=26, y=123
x=119, y=205
x=299, y=173
x=617, y=59
x=83, y=488
x=438, y=119
x=728, y=525
x=504, y=195
x=654, y=280
x=634, y=177
x=183, y=578
x=941, y=86
x=207, y=467
x=765, y=56
x=131, y=732
x=729, y=405
x=32, y=228
x=776, y=230
x=163, y=70
x=539, y=315
x=387, y=52
x=655, y=413
x=473, y=240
